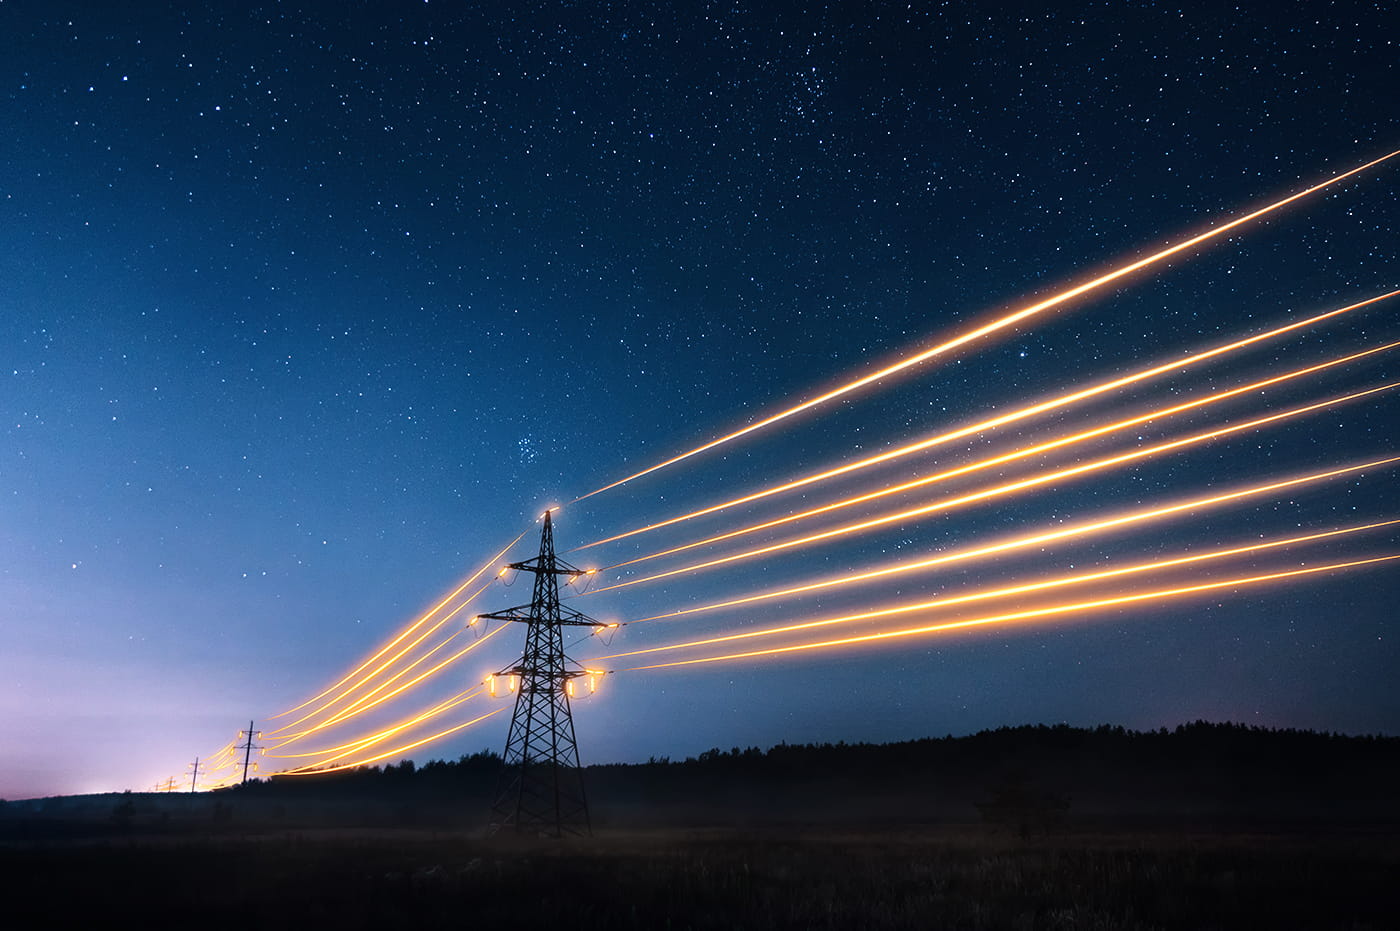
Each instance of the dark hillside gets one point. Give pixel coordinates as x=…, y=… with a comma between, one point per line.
x=1200, y=776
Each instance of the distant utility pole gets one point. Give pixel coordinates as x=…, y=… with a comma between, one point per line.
x=248, y=749
x=194, y=777
x=541, y=787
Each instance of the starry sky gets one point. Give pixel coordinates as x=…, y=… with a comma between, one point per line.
x=308, y=308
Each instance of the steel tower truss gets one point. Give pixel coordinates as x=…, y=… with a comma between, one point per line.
x=541, y=788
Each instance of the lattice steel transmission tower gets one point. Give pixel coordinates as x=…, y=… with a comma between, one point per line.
x=541, y=788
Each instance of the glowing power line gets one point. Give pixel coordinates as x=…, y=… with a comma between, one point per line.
x=357, y=709
x=370, y=676
x=332, y=754
x=1022, y=453
x=1000, y=323
x=1160, y=594
x=307, y=771
x=1000, y=420
x=424, y=618
x=987, y=594
x=1041, y=538
x=1000, y=490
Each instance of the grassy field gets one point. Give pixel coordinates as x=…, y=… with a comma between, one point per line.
x=938, y=877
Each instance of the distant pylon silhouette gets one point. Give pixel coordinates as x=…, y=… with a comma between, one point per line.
x=541, y=788
x=248, y=749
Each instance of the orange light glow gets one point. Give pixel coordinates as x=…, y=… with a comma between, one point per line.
x=370, y=676
x=999, y=323
x=1034, y=614
x=334, y=754
x=348, y=710
x=1036, y=481
x=1060, y=401
x=424, y=618
x=947, y=601
x=1039, y=539
x=360, y=706
x=307, y=771
x=1015, y=455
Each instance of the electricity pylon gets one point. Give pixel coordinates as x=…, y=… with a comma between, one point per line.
x=541, y=787
x=248, y=749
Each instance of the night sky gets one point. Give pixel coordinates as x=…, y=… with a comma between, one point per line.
x=307, y=309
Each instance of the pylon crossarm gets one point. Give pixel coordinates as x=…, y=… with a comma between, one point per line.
x=555, y=681
x=533, y=565
x=523, y=614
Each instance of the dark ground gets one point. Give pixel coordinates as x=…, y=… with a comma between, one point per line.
x=957, y=877
x=1206, y=826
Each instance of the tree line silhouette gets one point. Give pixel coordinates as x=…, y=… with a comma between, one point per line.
x=1032, y=776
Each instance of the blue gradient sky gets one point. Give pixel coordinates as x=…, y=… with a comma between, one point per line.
x=306, y=310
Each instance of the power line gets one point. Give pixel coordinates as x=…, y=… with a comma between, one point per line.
x=1000, y=323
